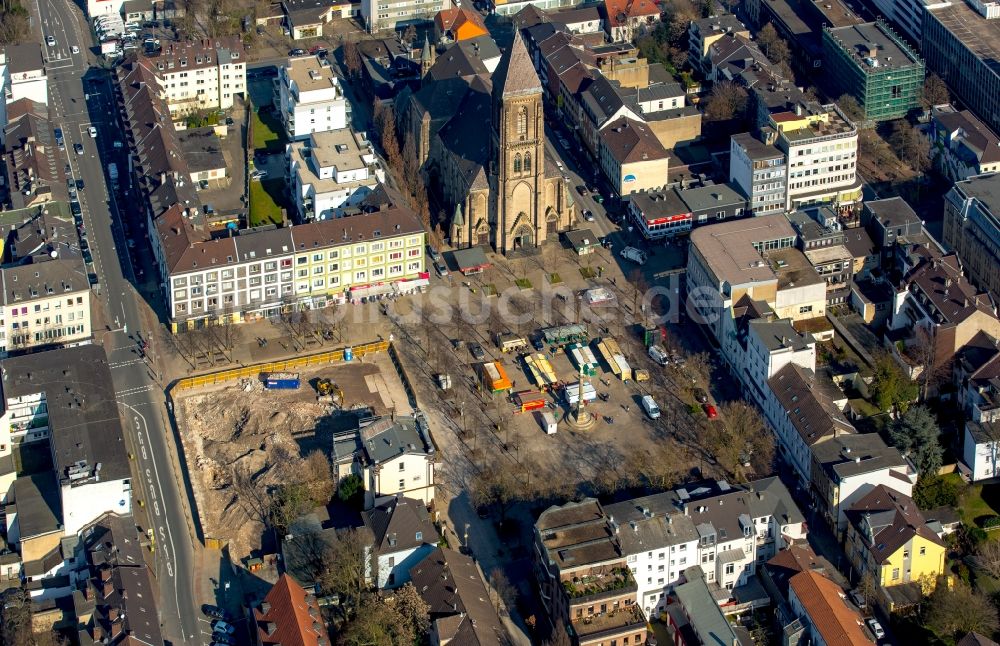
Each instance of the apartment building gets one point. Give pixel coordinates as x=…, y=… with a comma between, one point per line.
x=310, y=98
x=801, y=411
x=46, y=289
x=625, y=17
x=959, y=41
x=972, y=228
x=659, y=214
x=631, y=156
x=937, y=297
x=981, y=448
x=823, y=607
x=289, y=615
x=696, y=615
x=43, y=392
x=888, y=537
x=821, y=146
x=23, y=75
x=403, y=536
x=34, y=529
x=200, y=74
x=706, y=31
x=740, y=527
x=964, y=145
x=386, y=15
x=760, y=169
x=872, y=64
x=659, y=543
x=755, y=258
x=603, y=102
x=330, y=172
x=846, y=466
x=31, y=157
x=585, y=581
x=762, y=347
x=257, y=273
x=117, y=600
x=393, y=457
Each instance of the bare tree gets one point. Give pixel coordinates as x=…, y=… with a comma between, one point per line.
x=251, y=494
x=727, y=101
x=502, y=591
x=773, y=45
x=738, y=437
x=988, y=558
x=352, y=58
x=935, y=92
x=851, y=108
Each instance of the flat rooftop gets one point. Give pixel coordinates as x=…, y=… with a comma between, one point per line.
x=83, y=412
x=832, y=253
x=792, y=268
x=985, y=188
x=202, y=149
x=310, y=74
x=729, y=249
x=979, y=35
x=858, y=40
x=836, y=124
x=341, y=148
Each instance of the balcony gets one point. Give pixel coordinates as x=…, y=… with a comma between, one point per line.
x=591, y=587
x=622, y=621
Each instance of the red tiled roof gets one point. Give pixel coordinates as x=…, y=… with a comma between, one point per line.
x=619, y=10
x=290, y=617
x=837, y=624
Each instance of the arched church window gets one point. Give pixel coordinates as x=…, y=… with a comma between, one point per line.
x=527, y=162
x=517, y=163
x=522, y=121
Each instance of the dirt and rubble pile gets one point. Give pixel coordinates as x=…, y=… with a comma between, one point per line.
x=244, y=429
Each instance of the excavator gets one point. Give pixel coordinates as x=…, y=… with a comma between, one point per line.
x=328, y=391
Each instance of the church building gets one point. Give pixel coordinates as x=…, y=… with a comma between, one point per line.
x=492, y=163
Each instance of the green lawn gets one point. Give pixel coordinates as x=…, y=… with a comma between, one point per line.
x=554, y=279
x=977, y=501
x=268, y=134
x=263, y=207
x=523, y=283
x=587, y=272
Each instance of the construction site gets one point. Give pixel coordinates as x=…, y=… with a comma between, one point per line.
x=260, y=428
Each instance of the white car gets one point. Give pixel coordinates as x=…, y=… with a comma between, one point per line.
x=93, y=132
x=74, y=49
x=876, y=628
x=50, y=41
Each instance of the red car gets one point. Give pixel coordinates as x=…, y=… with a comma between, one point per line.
x=710, y=411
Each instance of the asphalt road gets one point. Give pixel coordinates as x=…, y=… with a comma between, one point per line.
x=80, y=96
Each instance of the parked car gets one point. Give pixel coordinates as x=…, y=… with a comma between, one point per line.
x=701, y=396
x=588, y=215
x=50, y=41
x=215, y=612
x=581, y=189
x=477, y=351
x=858, y=599
x=433, y=253
x=222, y=627
x=296, y=52
x=876, y=628
x=78, y=147
x=710, y=411
x=221, y=639
x=59, y=138
x=537, y=343
x=92, y=131
x=74, y=49
x=441, y=269
x=79, y=184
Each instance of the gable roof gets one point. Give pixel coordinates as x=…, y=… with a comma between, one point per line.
x=450, y=583
x=289, y=616
x=827, y=610
x=457, y=17
x=516, y=74
x=810, y=410
x=886, y=520
x=950, y=294
x=399, y=524
x=619, y=11
x=631, y=141
x=972, y=133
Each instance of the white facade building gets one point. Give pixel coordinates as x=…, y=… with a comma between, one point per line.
x=759, y=348
x=310, y=98
x=659, y=543
x=981, y=448
x=330, y=172
x=759, y=168
x=388, y=15
x=201, y=74
x=22, y=76
x=908, y=15
x=104, y=7
x=821, y=146
x=403, y=535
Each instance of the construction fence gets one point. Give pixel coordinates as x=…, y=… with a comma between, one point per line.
x=286, y=365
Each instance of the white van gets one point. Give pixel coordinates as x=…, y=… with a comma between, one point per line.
x=649, y=405
x=658, y=354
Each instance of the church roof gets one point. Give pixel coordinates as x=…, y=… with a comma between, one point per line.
x=464, y=138
x=516, y=74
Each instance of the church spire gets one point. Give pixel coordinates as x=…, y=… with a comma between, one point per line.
x=516, y=74
x=426, y=57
